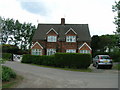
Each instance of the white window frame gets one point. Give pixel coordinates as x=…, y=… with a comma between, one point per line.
x=84, y=51
x=51, y=51
x=51, y=38
x=71, y=51
x=36, y=51
x=70, y=38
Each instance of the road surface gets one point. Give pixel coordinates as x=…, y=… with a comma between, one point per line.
x=41, y=77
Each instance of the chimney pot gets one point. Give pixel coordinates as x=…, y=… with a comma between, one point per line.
x=62, y=21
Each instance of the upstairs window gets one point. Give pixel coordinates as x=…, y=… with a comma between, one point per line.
x=71, y=51
x=70, y=38
x=52, y=38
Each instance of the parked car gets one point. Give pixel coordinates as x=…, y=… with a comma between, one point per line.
x=102, y=60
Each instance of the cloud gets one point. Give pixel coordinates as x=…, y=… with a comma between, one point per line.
x=34, y=7
x=97, y=13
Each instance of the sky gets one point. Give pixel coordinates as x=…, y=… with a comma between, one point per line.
x=96, y=13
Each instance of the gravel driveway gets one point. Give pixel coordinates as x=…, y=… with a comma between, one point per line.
x=40, y=77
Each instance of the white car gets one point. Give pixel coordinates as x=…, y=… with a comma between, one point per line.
x=102, y=60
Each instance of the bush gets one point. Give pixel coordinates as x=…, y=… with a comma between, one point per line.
x=115, y=56
x=6, y=48
x=69, y=60
x=7, y=73
x=7, y=56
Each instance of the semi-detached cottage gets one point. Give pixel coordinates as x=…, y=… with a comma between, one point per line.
x=66, y=38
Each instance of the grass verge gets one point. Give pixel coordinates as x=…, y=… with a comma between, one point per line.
x=12, y=83
x=68, y=69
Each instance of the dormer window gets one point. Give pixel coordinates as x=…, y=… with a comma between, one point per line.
x=51, y=38
x=70, y=38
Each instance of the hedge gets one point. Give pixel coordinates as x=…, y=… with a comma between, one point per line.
x=68, y=60
x=7, y=73
x=7, y=56
x=73, y=60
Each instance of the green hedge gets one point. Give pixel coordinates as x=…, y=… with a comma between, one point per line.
x=40, y=60
x=7, y=73
x=7, y=56
x=68, y=60
x=73, y=60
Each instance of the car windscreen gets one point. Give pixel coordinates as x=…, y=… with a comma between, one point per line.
x=105, y=57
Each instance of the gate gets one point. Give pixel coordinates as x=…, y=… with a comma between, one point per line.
x=17, y=58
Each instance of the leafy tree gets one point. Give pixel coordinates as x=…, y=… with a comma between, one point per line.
x=95, y=43
x=16, y=33
x=101, y=43
x=116, y=9
x=107, y=41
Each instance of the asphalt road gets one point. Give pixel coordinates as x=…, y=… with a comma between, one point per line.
x=40, y=77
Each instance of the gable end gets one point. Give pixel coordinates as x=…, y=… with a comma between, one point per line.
x=71, y=30
x=86, y=45
x=35, y=44
x=51, y=30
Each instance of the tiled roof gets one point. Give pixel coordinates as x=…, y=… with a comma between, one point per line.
x=82, y=31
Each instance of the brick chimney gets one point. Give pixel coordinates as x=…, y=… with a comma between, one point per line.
x=62, y=21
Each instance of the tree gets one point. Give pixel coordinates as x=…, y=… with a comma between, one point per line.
x=101, y=43
x=95, y=43
x=107, y=41
x=116, y=9
x=16, y=33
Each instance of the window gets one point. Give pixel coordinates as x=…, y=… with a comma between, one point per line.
x=84, y=51
x=70, y=38
x=70, y=51
x=51, y=51
x=36, y=51
x=52, y=38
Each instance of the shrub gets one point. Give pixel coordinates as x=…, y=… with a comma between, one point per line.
x=6, y=48
x=7, y=73
x=115, y=56
x=69, y=60
x=7, y=56
x=73, y=60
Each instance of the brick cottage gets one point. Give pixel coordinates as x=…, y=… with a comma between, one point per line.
x=66, y=38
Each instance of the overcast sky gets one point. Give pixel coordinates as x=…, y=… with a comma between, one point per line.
x=97, y=13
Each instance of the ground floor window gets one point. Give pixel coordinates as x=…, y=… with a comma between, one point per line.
x=84, y=51
x=36, y=51
x=71, y=51
x=51, y=51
